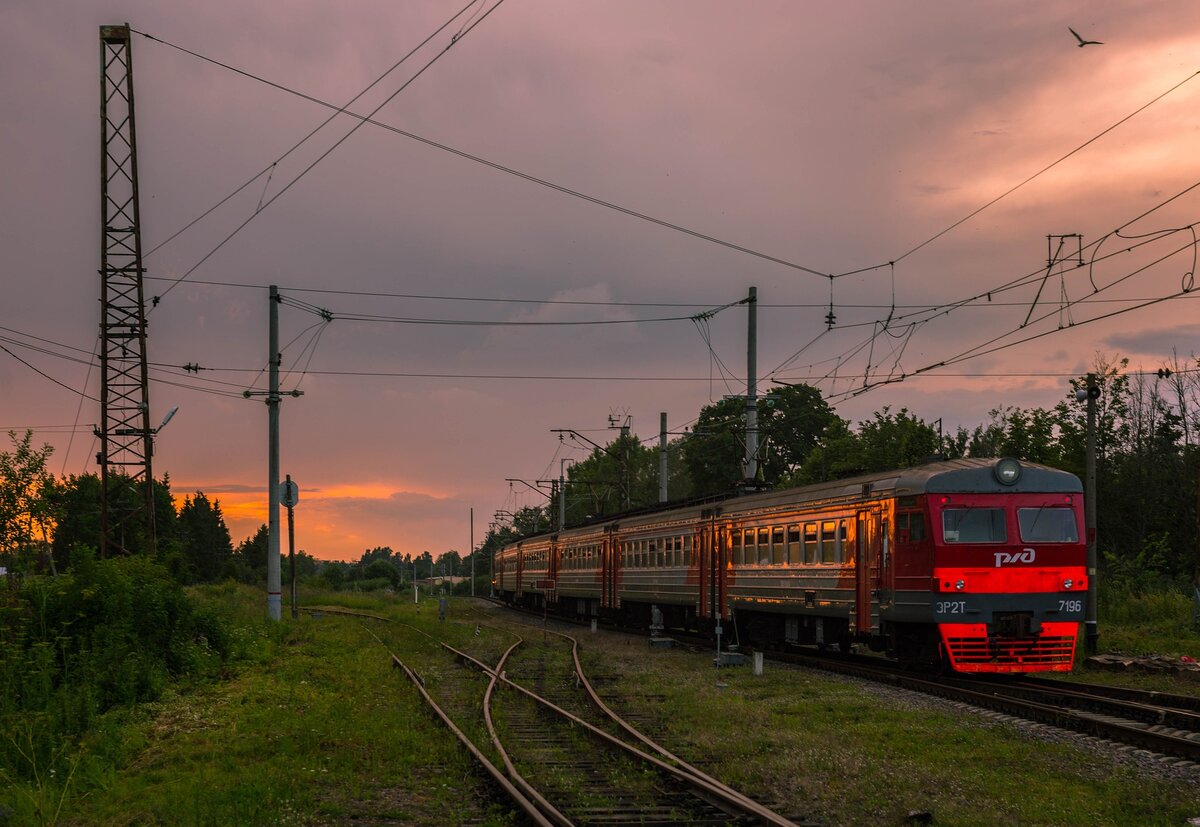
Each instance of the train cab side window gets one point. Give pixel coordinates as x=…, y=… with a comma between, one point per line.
x=810, y=542
x=910, y=527
x=974, y=525
x=778, y=549
x=793, y=545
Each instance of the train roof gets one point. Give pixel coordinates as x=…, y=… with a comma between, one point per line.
x=954, y=476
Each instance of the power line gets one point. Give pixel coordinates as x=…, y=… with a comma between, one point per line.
x=1037, y=276
x=365, y=119
x=1016, y=187
x=327, y=152
x=585, y=302
x=46, y=375
x=329, y=315
x=269, y=170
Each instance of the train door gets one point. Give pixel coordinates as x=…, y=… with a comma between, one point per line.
x=609, y=562
x=707, y=598
x=553, y=552
x=866, y=569
x=518, y=586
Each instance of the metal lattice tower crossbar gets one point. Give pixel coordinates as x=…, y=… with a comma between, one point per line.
x=126, y=440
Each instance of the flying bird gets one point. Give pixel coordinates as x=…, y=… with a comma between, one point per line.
x=1083, y=42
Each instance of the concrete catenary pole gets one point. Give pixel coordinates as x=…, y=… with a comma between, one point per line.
x=662, y=457
x=562, y=492
x=1091, y=633
x=472, y=547
x=274, y=587
x=751, y=464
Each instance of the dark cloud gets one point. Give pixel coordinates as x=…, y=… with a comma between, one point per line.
x=1183, y=339
x=836, y=137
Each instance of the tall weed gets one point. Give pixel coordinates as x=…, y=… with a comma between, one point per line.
x=109, y=633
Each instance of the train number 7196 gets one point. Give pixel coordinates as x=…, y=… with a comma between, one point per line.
x=1070, y=605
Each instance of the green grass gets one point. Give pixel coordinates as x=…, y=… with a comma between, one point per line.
x=1147, y=623
x=309, y=724
x=825, y=749
x=313, y=728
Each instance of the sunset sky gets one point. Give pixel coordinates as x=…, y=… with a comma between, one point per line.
x=821, y=139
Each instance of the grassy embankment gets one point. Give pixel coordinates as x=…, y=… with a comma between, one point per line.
x=310, y=725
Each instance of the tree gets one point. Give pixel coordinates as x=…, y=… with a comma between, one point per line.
x=713, y=453
x=250, y=559
x=792, y=421
x=884, y=442
x=620, y=476
x=204, y=539
x=449, y=562
x=381, y=567
x=28, y=499
x=377, y=553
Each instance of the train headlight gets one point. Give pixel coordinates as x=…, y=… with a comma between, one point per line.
x=1007, y=471
x=960, y=585
x=1068, y=583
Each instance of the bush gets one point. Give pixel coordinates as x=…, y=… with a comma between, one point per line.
x=109, y=633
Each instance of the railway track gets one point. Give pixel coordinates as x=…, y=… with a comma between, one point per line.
x=1160, y=723
x=1167, y=725
x=532, y=721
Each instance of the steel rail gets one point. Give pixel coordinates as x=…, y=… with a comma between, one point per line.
x=517, y=797
x=736, y=801
x=1187, y=703
x=1081, y=697
x=551, y=812
x=768, y=816
x=1102, y=726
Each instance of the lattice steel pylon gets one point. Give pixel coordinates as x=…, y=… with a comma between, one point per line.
x=126, y=439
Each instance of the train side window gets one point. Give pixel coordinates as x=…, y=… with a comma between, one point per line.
x=793, y=545
x=748, y=553
x=688, y=559
x=778, y=550
x=829, y=542
x=735, y=547
x=810, y=542
x=764, y=546
x=842, y=552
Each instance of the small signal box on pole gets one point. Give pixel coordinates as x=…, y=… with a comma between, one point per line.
x=289, y=495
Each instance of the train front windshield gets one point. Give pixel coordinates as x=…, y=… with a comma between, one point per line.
x=974, y=525
x=1047, y=525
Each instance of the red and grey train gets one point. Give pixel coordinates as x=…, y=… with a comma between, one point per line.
x=979, y=565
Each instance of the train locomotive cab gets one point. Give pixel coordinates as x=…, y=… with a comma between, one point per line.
x=1009, y=577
